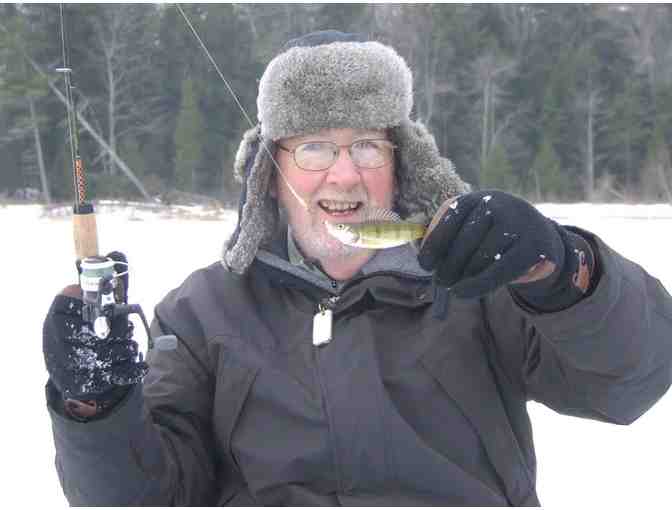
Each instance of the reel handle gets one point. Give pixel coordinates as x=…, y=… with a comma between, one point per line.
x=161, y=342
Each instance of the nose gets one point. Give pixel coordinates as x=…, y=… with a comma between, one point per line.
x=343, y=172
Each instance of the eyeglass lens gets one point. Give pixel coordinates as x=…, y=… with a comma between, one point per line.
x=321, y=155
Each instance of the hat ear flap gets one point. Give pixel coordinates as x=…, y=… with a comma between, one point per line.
x=257, y=209
x=424, y=178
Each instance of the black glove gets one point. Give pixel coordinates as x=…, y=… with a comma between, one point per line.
x=82, y=366
x=568, y=284
x=487, y=239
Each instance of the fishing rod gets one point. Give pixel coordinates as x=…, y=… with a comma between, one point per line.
x=84, y=218
x=103, y=288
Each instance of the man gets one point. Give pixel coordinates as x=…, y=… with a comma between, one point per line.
x=308, y=372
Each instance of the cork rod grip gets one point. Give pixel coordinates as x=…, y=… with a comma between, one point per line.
x=86, y=235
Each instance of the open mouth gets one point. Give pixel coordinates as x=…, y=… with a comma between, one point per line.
x=339, y=208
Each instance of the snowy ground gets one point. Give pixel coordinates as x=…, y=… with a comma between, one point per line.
x=580, y=461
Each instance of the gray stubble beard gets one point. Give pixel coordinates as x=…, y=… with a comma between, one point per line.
x=315, y=242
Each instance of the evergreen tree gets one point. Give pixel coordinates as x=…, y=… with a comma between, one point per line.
x=630, y=124
x=497, y=172
x=168, y=67
x=10, y=148
x=657, y=170
x=188, y=136
x=23, y=99
x=547, y=177
x=230, y=43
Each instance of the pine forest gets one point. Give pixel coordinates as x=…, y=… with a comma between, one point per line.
x=564, y=102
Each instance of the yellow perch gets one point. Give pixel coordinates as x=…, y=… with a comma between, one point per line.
x=382, y=229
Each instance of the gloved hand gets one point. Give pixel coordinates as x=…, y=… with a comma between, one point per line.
x=486, y=239
x=82, y=366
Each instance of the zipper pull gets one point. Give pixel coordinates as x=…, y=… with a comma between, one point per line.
x=322, y=325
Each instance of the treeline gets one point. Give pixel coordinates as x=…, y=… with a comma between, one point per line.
x=554, y=102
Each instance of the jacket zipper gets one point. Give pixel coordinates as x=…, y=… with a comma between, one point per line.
x=322, y=335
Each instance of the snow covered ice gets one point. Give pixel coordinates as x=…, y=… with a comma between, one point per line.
x=579, y=461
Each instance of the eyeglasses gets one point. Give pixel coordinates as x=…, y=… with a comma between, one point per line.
x=319, y=156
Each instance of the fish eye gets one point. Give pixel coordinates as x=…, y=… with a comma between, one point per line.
x=340, y=226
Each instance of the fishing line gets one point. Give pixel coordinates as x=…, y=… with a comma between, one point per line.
x=240, y=106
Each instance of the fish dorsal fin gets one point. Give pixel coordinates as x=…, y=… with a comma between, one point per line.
x=379, y=215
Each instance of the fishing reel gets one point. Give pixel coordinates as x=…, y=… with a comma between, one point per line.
x=103, y=297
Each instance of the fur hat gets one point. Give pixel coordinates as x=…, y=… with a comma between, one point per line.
x=334, y=80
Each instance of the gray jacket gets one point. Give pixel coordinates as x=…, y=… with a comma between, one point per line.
x=416, y=400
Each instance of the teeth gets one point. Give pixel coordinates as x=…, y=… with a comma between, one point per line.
x=332, y=205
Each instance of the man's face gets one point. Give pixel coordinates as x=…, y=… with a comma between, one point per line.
x=331, y=194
